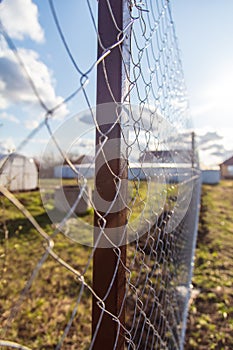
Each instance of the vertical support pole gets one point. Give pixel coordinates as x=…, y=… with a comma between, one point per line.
x=111, y=166
x=193, y=149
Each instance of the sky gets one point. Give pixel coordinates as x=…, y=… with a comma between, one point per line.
x=204, y=30
x=205, y=35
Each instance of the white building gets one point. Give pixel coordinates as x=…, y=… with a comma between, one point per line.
x=18, y=173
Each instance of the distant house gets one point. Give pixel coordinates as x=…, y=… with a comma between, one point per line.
x=226, y=169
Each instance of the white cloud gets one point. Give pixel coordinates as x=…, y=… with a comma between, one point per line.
x=20, y=19
x=7, y=145
x=40, y=141
x=86, y=118
x=31, y=124
x=83, y=146
x=202, y=109
x=214, y=146
x=9, y=117
x=15, y=87
x=209, y=137
x=212, y=104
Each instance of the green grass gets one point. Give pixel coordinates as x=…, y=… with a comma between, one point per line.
x=37, y=318
x=211, y=314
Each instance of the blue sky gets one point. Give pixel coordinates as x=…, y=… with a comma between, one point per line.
x=35, y=36
x=205, y=33
x=204, y=30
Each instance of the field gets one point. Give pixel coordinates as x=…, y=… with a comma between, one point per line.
x=210, y=324
x=38, y=316
x=35, y=309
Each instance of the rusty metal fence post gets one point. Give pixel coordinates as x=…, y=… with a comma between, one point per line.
x=108, y=263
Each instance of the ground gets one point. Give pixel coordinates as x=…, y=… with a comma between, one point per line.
x=210, y=323
x=38, y=318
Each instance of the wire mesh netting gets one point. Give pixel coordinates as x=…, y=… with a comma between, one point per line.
x=98, y=254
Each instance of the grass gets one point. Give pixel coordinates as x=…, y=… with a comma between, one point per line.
x=210, y=324
x=37, y=318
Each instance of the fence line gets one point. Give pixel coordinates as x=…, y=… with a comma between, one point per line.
x=106, y=258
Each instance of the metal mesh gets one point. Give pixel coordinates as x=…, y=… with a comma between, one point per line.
x=104, y=260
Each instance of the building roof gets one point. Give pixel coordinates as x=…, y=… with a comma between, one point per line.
x=228, y=161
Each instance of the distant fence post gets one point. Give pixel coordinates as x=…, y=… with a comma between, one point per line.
x=108, y=263
x=193, y=149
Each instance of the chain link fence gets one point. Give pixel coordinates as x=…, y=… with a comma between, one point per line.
x=99, y=255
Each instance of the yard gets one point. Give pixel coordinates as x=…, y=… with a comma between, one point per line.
x=210, y=324
x=38, y=316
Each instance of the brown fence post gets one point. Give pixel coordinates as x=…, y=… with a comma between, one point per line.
x=111, y=88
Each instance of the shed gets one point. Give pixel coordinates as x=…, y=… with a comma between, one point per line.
x=18, y=173
x=226, y=168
